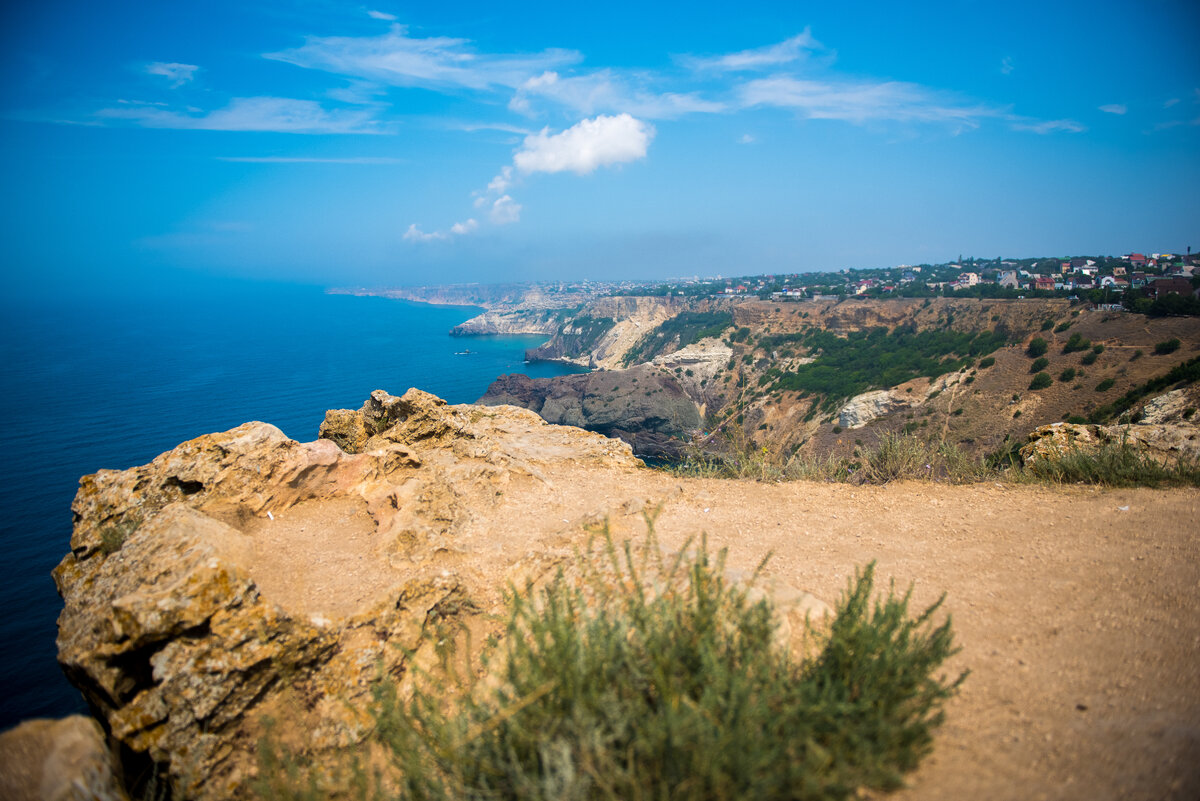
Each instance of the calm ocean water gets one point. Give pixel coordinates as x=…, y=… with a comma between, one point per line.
x=90, y=385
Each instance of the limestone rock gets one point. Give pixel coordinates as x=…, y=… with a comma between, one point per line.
x=1170, y=407
x=243, y=576
x=864, y=408
x=57, y=760
x=1164, y=442
x=645, y=406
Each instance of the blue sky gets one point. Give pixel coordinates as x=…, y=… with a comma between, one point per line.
x=406, y=143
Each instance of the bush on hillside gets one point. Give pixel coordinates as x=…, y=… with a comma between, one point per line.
x=1039, y=364
x=1041, y=381
x=1076, y=343
x=1167, y=346
x=1037, y=347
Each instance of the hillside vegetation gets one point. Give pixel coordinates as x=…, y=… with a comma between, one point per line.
x=974, y=374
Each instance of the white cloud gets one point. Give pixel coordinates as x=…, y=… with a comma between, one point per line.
x=1114, y=108
x=605, y=90
x=598, y=142
x=176, y=74
x=415, y=234
x=760, y=57
x=505, y=210
x=276, y=114
x=1048, y=126
x=1006, y=65
x=747, y=139
x=499, y=185
x=397, y=59
x=383, y=15
x=862, y=102
x=1171, y=102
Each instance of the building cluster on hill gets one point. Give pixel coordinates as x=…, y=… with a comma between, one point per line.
x=1131, y=281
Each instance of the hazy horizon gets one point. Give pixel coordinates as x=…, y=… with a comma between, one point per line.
x=337, y=144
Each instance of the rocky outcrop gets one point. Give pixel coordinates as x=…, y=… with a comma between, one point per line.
x=631, y=317
x=1165, y=443
x=646, y=405
x=58, y=760
x=1172, y=407
x=509, y=321
x=869, y=406
x=244, y=577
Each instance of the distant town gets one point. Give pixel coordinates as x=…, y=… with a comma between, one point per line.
x=1142, y=282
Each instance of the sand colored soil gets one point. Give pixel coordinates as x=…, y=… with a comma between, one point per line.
x=1077, y=609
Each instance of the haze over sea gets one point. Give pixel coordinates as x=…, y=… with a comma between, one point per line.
x=92, y=384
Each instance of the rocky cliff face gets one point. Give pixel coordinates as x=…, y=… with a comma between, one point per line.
x=512, y=321
x=631, y=317
x=244, y=576
x=646, y=406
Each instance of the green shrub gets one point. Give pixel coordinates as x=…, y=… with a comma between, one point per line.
x=987, y=361
x=1097, y=349
x=1039, y=364
x=1137, y=354
x=1105, y=385
x=1041, y=381
x=1067, y=375
x=1062, y=327
x=654, y=678
x=1088, y=358
x=1076, y=343
x=1047, y=324
x=1037, y=347
x=1167, y=346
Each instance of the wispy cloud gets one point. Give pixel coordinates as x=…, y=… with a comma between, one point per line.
x=383, y=15
x=275, y=114
x=863, y=102
x=757, y=58
x=1047, y=126
x=747, y=139
x=1114, y=108
x=608, y=91
x=505, y=211
x=176, y=74
x=1171, y=102
x=311, y=160
x=397, y=59
x=1006, y=65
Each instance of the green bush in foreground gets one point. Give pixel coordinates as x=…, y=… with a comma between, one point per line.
x=649, y=680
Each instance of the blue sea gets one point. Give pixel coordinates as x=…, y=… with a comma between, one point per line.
x=112, y=382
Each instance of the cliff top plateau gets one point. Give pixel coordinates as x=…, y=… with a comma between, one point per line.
x=244, y=577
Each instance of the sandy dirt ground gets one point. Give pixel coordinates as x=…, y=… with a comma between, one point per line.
x=1077, y=610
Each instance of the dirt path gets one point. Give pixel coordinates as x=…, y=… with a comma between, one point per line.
x=1078, y=610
